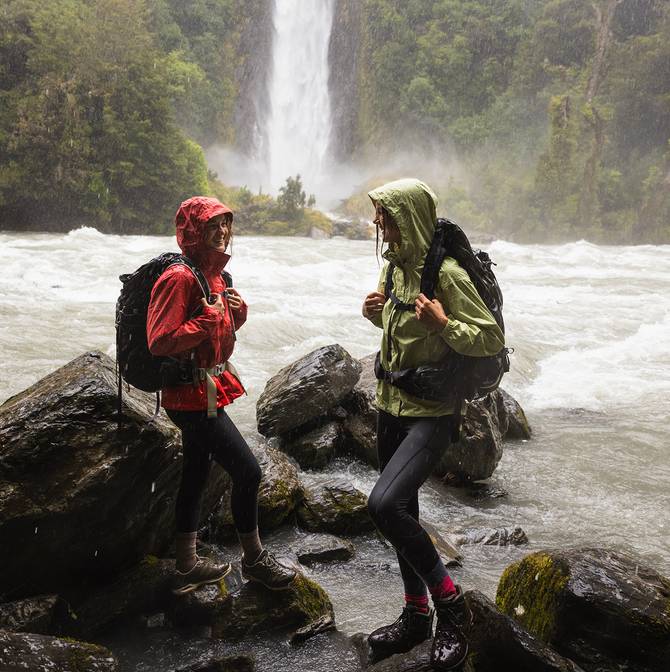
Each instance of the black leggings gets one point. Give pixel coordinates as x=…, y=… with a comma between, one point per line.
x=202, y=439
x=408, y=450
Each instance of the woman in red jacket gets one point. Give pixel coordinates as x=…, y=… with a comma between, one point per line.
x=181, y=323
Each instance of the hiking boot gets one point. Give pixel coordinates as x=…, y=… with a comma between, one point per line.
x=411, y=628
x=450, y=647
x=203, y=572
x=268, y=572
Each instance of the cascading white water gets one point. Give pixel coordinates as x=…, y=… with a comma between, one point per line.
x=298, y=129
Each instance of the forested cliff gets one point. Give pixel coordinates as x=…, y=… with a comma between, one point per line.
x=552, y=117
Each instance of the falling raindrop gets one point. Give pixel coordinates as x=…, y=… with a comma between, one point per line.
x=95, y=555
x=35, y=529
x=153, y=487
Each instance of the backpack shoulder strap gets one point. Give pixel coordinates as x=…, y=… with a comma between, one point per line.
x=197, y=273
x=389, y=294
x=434, y=258
x=227, y=278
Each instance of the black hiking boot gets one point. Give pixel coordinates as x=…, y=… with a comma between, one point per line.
x=202, y=573
x=268, y=571
x=411, y=628
x=450, y=647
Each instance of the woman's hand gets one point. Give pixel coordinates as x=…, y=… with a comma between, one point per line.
x=373, y=304
x=234, y=299
x=430, y=313
x=217, y=305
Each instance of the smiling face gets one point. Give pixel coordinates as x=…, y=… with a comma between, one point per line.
x=218, y=231
x=389, y=229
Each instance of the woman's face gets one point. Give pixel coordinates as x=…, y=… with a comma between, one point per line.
x=389, y=229
x=218, y=231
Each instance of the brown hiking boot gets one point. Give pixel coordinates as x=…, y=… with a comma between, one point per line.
x=267, y=571
x=203, y=572
x=450, y=647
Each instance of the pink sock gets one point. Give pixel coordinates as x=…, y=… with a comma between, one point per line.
x=443, y=589
x=418, y=601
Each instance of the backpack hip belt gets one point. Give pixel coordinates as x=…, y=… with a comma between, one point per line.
x=208, y=375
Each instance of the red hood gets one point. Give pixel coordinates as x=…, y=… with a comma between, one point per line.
x=190, y=225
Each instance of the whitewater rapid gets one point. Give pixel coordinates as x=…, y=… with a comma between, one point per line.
x=590, y=326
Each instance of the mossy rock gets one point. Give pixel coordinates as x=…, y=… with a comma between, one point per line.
x=600, y=608
x=249, y=608
x=23, y=651
x=335, y=507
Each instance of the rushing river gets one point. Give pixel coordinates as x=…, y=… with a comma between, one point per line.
x=591, y=330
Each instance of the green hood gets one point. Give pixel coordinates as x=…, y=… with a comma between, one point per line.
x=412, y=204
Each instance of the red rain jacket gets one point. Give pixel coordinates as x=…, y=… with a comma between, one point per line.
x=171, y=329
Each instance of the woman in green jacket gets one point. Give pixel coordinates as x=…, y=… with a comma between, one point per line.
x=413, y=433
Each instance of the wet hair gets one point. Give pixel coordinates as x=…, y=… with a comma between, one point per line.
x=379, y=249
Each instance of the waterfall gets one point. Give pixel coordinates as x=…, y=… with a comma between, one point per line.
x=299, y=123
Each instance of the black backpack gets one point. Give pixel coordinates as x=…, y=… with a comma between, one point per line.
x=458, y=377
x=135, y=364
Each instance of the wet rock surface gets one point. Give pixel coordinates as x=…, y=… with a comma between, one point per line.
x=81, y=495
x=323, y=548
x=242, y=663
x=334, y=506
x=43, y=615
x=22, y=651
x=600, y=608
x=511, y=412
x=316, y=448
x=234, y=610
x=306, y=389
x=501, y=536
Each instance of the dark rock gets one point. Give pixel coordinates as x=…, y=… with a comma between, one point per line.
x=237, y=611
x=476, y=455
x=497, y=643
x=323, y=548
x=324, y=624
x=81, y=496
x=486, y=491
x=306, y=389
x=600, y=608
x=145, y=588
x=22, y=651
x=501, y=536
x=279, y=494
x=316, y=448
x=511, y=413
x=41, y=615
x=360, y=425
x=241, y=663
x=334, y=506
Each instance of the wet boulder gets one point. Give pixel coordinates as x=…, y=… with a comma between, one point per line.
x=316, y=448
x=476, y=455
x=600, y=608
x=498, y=642
x=499, y=536
x=334, y=506
x=513, y=421
x=22, y=651
x=445, y=545
x=42, y=615
x=142, y=589
x=314, y=548
x=360, y=424
x=235, y=610
x=80, y=493
x=306, y=389
x=279, y=493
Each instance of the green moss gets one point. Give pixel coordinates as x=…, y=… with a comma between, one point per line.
x=529, y=591
x=310, y=598
x=81, y=655
x=150, y=560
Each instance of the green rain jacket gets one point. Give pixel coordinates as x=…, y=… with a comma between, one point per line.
x=471, y=329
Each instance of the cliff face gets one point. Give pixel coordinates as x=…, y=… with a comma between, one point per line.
x=253, y=78
x=343, y=54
